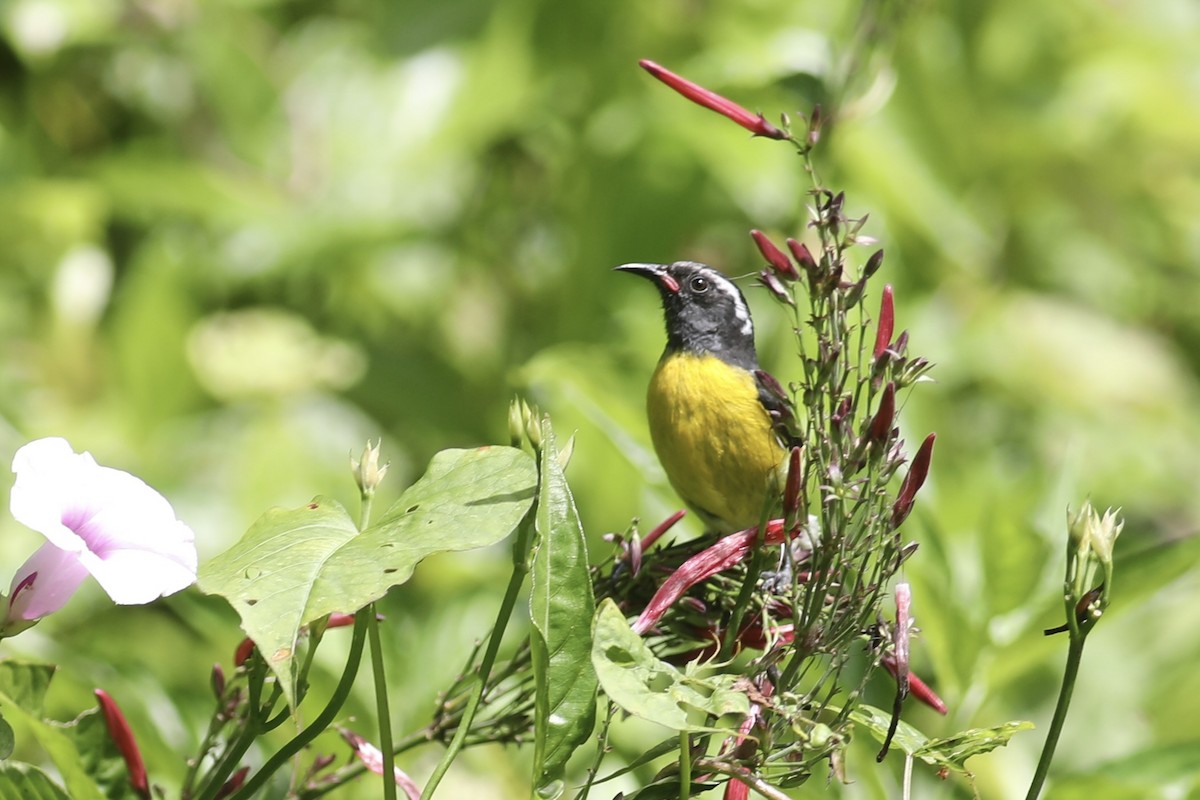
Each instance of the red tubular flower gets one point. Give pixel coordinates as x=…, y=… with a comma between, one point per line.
x=755, y=123
x=913, y=481
x=774, y=256
x=916, y=687
x=887, y=322
x=881, y=424
x=122, y=736
x=662, y=527
x=727, y=552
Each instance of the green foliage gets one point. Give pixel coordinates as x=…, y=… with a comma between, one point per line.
x=643, y=685
x=27, y=782
x=58, y=743
x=434, y=194
x=561, y=607
x=950, y=752
x=295, y=566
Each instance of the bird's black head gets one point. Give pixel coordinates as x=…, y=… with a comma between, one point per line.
x=705, y=312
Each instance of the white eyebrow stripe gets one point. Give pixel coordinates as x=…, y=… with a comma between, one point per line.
x=740, y=309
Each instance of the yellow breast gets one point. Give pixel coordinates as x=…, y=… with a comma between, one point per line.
x=714, y=438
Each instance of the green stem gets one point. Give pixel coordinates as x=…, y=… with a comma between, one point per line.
x=520, y=569
x=1074, y=656
x=322, y=721
x=381, y=704
x=685, y=766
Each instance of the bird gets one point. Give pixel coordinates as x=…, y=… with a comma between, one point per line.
x=720, y=425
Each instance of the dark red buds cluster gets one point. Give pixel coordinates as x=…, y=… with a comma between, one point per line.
x=755, y=123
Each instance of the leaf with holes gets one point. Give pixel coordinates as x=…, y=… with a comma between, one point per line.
x=634, y=679
x=296, y=565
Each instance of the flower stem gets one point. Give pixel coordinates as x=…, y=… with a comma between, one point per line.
x=322, y=721
x=381, y=704
x=1074, y=656
x=685, y=766
x=520, y=570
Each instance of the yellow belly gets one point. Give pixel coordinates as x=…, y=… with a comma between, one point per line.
x=714, y=439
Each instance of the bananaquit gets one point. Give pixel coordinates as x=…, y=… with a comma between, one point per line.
x=718, y=428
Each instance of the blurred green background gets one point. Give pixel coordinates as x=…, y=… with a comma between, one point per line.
x=242, y=236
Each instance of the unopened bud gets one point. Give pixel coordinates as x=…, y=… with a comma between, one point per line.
x=881, y=423
x=368, y=473
x=122, y=736
x=887, y=322
x=913, y=481
x=791, y=489
x=217, y=680
x=755, y=123
x=874, y=262
x=774, y=256
x=814, y=126
x=1089, y=531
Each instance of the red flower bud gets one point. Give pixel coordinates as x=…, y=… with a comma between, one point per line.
x=913, y=481
x=244, y=650
x=881, y=425
x=755, y=123
x=803, y=256
x=791, y=489
x=122, y=736
x=887, y=322
x=662, y=527
x=774, y=256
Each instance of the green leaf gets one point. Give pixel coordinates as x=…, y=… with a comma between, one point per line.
x=59, y=745
x=27, y=782
x=295, y=566
x=651, y=689
x=950, y=752
x=26, y=683
x=561, y=607
x=8, y=740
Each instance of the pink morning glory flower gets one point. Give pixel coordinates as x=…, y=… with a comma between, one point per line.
x=98, y=521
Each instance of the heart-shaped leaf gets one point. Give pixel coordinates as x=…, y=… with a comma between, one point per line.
x=297, y=565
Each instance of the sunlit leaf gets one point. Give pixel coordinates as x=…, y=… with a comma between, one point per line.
x=646, y=687
x=561, y=607
x=297, y=565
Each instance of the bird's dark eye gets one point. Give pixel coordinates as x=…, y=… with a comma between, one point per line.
x=699, y=284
